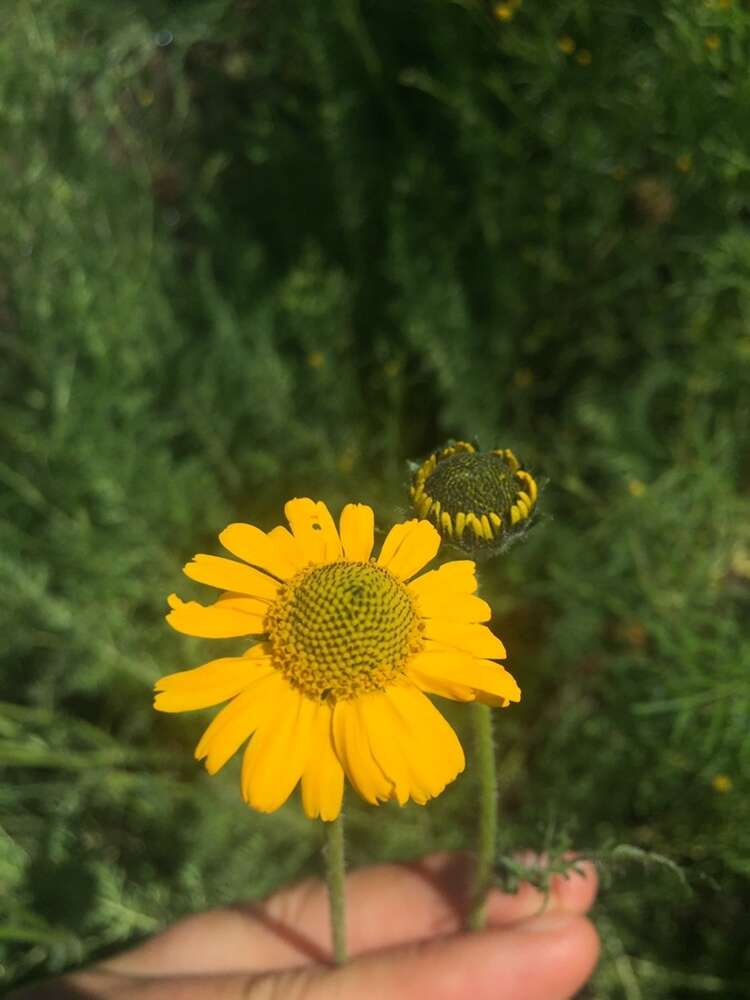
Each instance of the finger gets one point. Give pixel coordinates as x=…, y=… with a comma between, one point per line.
x=544, y=958
x=387, y=905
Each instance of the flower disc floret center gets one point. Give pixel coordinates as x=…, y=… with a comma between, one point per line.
x=342, y=629
x=481, y=483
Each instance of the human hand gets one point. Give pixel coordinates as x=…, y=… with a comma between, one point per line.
x=405, y=940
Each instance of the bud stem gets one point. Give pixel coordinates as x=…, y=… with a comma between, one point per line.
x=484, y=746
x=335, y=878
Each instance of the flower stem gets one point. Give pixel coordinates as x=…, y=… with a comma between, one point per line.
x=484, y=745
x=335, y=877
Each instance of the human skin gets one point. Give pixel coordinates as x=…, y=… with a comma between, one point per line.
x=405, y=940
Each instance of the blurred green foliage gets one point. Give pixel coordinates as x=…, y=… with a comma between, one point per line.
x=252, y=249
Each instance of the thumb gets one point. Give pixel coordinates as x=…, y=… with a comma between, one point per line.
x=546, y=958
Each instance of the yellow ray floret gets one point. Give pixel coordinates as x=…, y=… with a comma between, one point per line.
x=348, y=648
x=460, y=524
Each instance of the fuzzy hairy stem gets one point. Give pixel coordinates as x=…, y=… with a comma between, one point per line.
x=484, y=745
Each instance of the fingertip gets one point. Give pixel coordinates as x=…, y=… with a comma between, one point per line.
x=575, y=891
x=572, y=892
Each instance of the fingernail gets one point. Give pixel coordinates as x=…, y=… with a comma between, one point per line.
x=531, y=858
x=584, y=869
x=546, y=923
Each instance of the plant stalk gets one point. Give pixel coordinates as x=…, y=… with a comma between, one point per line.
x=335, y=879
x=484, y=746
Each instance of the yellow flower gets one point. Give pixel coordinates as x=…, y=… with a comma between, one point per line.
x=504, y=11
x=566, y=45
x=712, y=42
x=636, y=488
x=350, y=647
x=583, y=57
x=684, y=163
x=475, y=499
x=721, y=783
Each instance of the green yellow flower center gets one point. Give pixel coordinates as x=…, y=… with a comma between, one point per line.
x=473, y=497
x=480, y=483
x=343, y=629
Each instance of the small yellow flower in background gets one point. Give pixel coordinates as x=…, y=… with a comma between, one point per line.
x=740, y=564
x=347, y=458
x=684, y=163
x=712, y=42
x=721, y=783
x=474, y=499
x=349, y=648
x=583, y=57
x=316, y=359
x=523, y=378
x=636, y=488
x=566, y=45
x=504, y=11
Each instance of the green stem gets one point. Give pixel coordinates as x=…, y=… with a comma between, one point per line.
x=335, y=877
x=484, y=745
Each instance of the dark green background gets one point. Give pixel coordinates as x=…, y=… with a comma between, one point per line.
x=265, y=248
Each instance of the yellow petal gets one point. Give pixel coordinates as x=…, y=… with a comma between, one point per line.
x=408, y=547
x=493, y=700
x=323, y=778
x=454, y=607
x=278, y=754
x=226, y=574
x=446, y=683
x=289, y=546
x=357, y=527
x=474, y=639
x=462, y=677
x=213, y=622
x=262, y=650
x=314, y=530
x=238, y=602
x=353, y=750
x=414, y=745
x=238, y=721
x=257, y=548
x=530, y=485
x=457, y=577
x=208, y=685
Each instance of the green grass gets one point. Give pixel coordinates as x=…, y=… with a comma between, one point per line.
x=257, y=250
